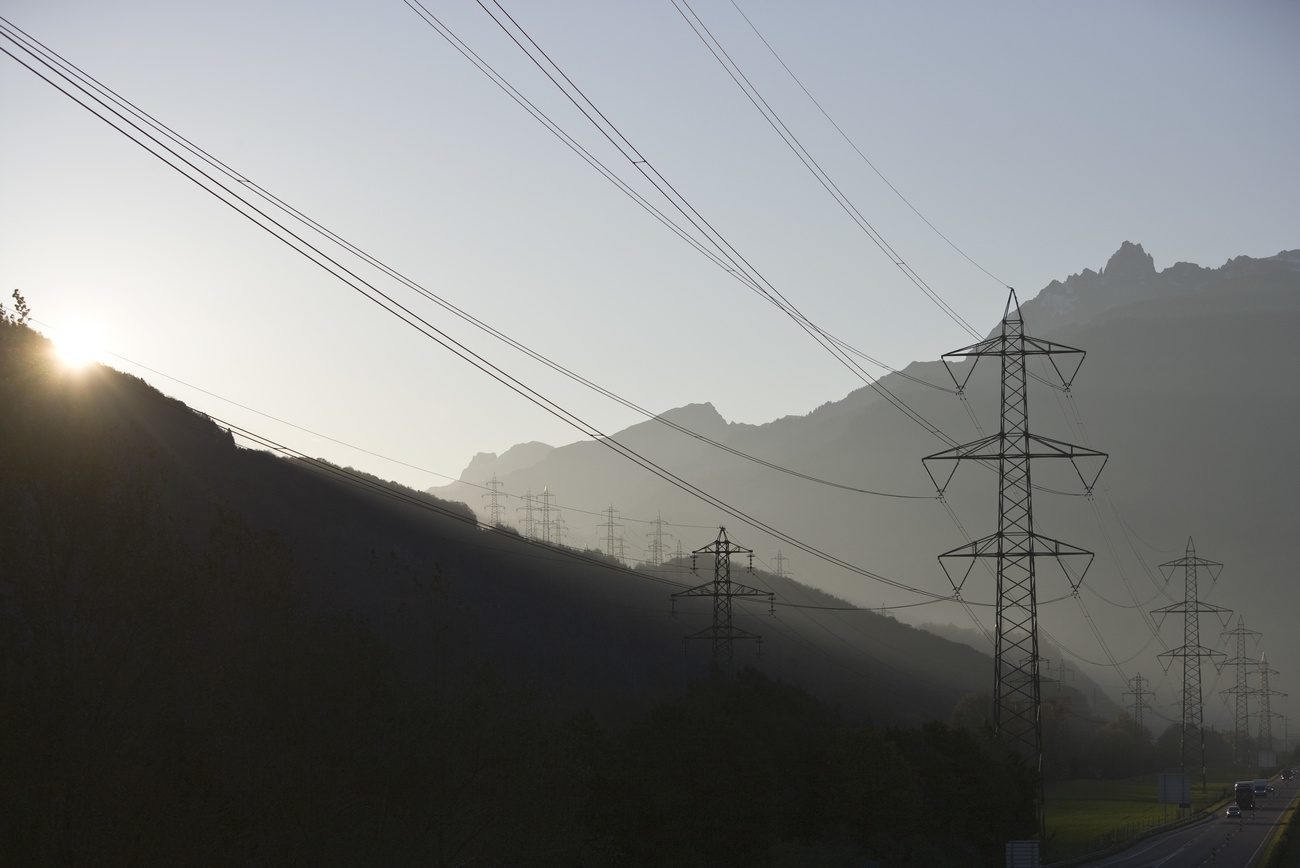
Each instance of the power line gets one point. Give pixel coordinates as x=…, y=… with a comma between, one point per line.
x=792, y=142
x=390, y=305
x=858, y=150
x=753, y=279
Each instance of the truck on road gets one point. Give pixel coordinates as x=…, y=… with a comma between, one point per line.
x=1245, y=795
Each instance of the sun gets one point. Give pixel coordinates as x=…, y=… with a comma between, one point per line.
x=76, y=347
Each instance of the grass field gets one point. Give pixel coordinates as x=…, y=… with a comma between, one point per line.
x=1087, y=815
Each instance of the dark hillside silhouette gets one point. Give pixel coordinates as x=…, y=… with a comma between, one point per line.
x=212, y=655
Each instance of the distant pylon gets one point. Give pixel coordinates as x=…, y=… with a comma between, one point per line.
x=494, y=500
x=610, y=525
x=557, y=528
x=780, y=565
x=1192, y=651
x=1067, y=672
x=1136, y=684
x=723, y=590
x=1017, y=691
x=529, y=522
x=1266, y=713
x=658, y=554
x=548, y=515
x=1241, y=691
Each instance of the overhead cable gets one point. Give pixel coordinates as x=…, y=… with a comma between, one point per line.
x=330, y=265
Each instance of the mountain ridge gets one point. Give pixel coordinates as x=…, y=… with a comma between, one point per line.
x=1174, y=359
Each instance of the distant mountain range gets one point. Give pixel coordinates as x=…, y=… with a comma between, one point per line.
x=1188, y=385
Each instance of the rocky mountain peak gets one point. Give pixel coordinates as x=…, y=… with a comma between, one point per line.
x=1130, y=263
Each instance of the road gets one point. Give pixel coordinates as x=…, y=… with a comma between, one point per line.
x=1221, y=842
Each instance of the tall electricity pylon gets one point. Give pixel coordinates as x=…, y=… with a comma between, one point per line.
x=780, y=565
x=1266, y=713
x=1017, y=688
x=548, y=515
x=1192, y=651
x=529, y=522
x=658, y=554
x=1241, y=691
x=723, y=590
x=494, y=500
x=611, y=538
x=1139, y=702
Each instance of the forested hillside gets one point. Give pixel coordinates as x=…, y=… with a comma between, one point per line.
x=211, y=655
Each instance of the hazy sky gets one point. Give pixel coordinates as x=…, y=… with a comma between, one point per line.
x=1035, y=136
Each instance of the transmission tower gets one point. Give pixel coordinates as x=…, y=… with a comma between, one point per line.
x=1266, y=713
x=609, y=526
x=1067, y=672
x=494, y=500
x=723, y=590
x=780, y=566
x=1136, y=684
x=1192, y=652
x=529, y=522
x=548, y=515
x=558, y=528
x=1241, y=691
x=1017, y=692
x=658, y=554
x=1045, y=673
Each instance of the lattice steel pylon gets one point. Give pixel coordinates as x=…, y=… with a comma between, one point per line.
x=1266, y=713
x=494, y=500
x=1241, y=690
x=1017, y=689
x=658, y=551
x=1139, y=702
x=611, y=538
x=529, y=522
x=723, y=633
x=1192, y=651
x=548, y=515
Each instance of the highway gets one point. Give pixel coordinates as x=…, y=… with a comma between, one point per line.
x=1220, y=841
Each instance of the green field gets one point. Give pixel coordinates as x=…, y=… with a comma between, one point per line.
x=1087, y=815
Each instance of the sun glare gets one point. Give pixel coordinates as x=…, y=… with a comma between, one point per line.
x=76, y=347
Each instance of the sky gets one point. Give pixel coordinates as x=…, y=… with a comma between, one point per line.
x=1008, y=144
x=987, y=145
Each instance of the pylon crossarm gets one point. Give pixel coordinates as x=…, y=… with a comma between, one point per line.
x=1210, y=567
x=710, y=633
x=739, y=590
x=957, y=585
x=1194, y=651
x=704, y=590
x=970, y=450
x=960, y=383
x=1049, y=448
x=1067, y=380
x=1195, y=607
x=974, y=449
x=1033, y=546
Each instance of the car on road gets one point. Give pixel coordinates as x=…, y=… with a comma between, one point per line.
x=1234, y=811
